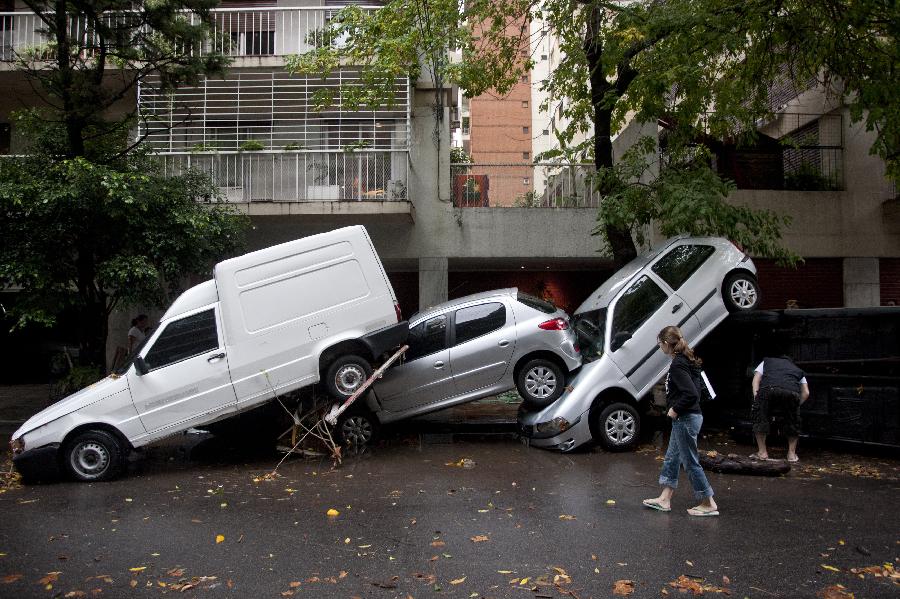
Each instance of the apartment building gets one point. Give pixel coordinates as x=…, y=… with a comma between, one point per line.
x=297, y=171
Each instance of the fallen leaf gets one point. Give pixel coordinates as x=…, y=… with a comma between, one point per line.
x=10, y=578
x=49, y=578
x=480, y=538
x=726, y=580
x=138, y=569
x=566, y=517
x=75, y=594
x=623, y=587
x=504, y=571
x=610, y=502
x=437, y=543
x=458, y=580
x=332, y=512
x=690, y=563
x=829, y=568
x=133, y=583
x=834, y=592
x=294, y=584
x=219, y=539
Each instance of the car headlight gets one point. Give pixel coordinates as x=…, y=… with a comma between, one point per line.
x=17, y=445
x=556, y=426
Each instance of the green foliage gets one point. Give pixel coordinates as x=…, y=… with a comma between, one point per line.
x=531, y=199
x=459, y=156
x=251, y=145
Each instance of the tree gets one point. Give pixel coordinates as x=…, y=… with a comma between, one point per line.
x=654, y=61
x=88, y=220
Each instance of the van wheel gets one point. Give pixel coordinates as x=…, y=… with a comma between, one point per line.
x=618, y=426
x=93, y=456
x=540, y=382
x=356, y=428
x=346, y=375
x=741, y=292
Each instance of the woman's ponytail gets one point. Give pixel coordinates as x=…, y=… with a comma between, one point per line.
x=671, y=336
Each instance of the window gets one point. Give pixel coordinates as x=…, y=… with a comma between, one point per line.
x=525, y=130
x=635, y=306
x=524, y=78
x=543, y=57
x=479, y=320
x=679, y=264
x=589, y=329
x=185, y=338
x=526, y=155
x=465, y=124
x=526, y=180
x=545, y=132
x=524, y=103
x=427, y=337
x=536, y=303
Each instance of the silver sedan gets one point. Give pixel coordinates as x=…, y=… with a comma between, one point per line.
x=470, y=348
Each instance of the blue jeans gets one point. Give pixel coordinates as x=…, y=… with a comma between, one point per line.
x=683, y=451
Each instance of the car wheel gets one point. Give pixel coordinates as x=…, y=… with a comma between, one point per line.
x=93, y=456
x=741, y=292
x=618, y=426
x=540, y=382
x=356, y=428
x=346, y=375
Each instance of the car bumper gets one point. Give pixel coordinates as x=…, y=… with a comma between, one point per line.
x=575, y=436
x=38, y=463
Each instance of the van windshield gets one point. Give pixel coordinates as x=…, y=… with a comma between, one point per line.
x=590, y=327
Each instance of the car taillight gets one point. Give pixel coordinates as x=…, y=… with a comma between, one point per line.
x=557, y=324
x=398, y=311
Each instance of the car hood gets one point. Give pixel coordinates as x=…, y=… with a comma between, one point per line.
x=99, y=390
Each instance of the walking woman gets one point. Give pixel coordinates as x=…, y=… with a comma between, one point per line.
x=683, y=401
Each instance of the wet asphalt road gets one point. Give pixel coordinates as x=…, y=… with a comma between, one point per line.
x=413, y=524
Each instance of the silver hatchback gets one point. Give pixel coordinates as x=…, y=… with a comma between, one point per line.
x=691, y=282
x=470, y=348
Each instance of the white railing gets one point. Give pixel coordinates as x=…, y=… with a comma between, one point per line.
x=299, y=176
x=234, y=31
x=525, y=185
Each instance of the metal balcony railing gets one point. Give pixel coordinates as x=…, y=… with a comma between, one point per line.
x=234, y=31
x=300, y=176
x=528, y=185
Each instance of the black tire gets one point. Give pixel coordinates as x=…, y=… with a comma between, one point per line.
x=356, y=428
x=345, y=375
x=540, y=382
x=617, y=426
x=740, y=292
x=93, y=456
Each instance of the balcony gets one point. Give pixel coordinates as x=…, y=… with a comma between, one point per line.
x=525, y=185
x=269, y=183
x=236, y=32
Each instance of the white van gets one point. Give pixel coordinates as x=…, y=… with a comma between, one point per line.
x=269, y=322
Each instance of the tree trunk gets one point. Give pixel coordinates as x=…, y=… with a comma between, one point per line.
x=620, y=241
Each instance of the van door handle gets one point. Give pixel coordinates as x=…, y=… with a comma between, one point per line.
x=676, y=308
x=438, y=364
x=215, y=357
x=503, y=343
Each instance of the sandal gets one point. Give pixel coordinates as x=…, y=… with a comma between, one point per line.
x=654, y=504
x=701, y=512
x=794, y=461
x=756, y=456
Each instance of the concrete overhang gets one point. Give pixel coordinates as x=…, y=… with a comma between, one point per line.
x=385, y=212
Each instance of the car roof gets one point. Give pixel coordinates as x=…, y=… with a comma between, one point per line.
x=603, y=294
x=454, y=303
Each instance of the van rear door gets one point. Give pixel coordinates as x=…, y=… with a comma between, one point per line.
x=188, y=379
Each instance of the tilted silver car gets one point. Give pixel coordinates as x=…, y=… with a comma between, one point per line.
x=467, y=349
x=690, y=282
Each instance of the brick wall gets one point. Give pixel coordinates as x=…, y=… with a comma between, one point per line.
x=816, y=283
x=889, y=274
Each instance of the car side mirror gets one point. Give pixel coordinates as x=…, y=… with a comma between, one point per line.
x=140, y=366
x=619, y=340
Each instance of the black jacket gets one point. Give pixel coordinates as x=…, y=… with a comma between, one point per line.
x=681, y=392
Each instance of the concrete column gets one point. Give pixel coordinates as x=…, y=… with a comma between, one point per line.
x=862, y=287
x=432, y=282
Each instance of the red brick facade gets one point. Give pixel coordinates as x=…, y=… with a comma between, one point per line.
x=816, y=283
x=889, y=269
